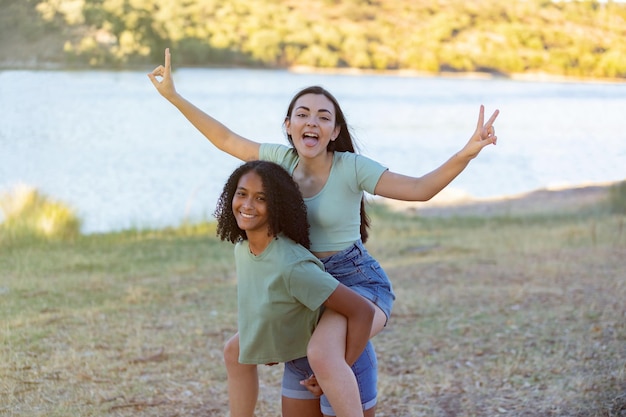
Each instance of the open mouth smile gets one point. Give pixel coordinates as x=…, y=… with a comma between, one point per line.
x=310, y=139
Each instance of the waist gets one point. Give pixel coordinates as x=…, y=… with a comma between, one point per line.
x=327, y=254
x=354, y=251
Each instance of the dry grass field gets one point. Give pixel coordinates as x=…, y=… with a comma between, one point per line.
x=507, y=310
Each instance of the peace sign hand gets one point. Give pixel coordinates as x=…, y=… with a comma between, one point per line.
x=484, y=135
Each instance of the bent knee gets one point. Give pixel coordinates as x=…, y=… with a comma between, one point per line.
x=315, y=353
x=324, y=361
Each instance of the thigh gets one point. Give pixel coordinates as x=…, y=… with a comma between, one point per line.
x=296, y=400
x=295, y=371
x=293, y=407
x=330, y=333
x=332, y=327
x=379, y=322
x=357, y=269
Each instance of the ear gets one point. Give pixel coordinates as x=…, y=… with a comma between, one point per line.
x=287, y=126
x=335, y=133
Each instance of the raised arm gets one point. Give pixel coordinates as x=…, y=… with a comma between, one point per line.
x=359, y=313
x=403, y=187
x=219, y=135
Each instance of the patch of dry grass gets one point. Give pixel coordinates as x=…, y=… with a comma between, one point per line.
x=495, y=316
x=517, y=316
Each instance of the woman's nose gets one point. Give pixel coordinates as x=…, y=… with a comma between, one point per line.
x=247, y=203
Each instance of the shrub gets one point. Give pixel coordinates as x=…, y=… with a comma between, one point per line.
x=29, y=214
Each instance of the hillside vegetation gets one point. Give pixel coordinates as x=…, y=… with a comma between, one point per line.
x=572, y=38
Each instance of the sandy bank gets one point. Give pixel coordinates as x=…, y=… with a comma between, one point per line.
x=543, y=200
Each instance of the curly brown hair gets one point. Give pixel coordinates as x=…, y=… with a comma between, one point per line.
x=285, y=206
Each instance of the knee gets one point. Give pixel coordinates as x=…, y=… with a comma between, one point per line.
x=321, y=360
x=315, y=350
x=231, y=351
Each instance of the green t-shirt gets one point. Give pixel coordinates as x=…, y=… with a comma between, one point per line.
x=334, y=213
x=279, y=295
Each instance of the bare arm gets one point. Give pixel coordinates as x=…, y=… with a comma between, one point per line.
x=219, y=135
x=402, y=187
x=359, y=313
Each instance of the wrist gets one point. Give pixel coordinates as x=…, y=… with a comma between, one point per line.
x=176, y=99
x=463, y=156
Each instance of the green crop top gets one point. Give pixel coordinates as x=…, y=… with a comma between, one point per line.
x=334, y=213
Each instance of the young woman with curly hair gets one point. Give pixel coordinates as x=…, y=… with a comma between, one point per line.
x=281, y=286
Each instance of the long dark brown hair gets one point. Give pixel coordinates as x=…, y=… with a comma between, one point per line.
x=343, y=143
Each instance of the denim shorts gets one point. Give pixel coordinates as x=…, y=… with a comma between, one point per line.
x=356, y=268
x=365, y=370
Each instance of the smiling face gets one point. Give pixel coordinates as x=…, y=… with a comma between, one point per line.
x=250, y=205
x=312, y=124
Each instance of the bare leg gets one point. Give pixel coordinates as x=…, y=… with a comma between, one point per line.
x=243, y=381
x=301, y=408
x=368, y=413
x=371, y=412
x=379, y=321
x=321, y=350
x=326, y=353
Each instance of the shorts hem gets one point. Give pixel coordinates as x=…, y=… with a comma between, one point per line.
x=328, y=411
x=298, y=394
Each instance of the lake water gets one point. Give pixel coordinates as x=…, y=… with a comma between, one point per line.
x=108, y=145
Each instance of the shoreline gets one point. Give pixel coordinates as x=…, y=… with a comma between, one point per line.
x=543, y=200
x=36, y=65
x=469, y=75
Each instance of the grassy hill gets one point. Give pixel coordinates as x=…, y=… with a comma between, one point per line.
x=579, y=39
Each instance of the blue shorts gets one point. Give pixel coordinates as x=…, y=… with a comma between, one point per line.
x=356, y=268
x=365, y=370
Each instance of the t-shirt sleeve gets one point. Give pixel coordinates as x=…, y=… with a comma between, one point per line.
x=367, y=173
x=274, y=152
x=310, y=285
